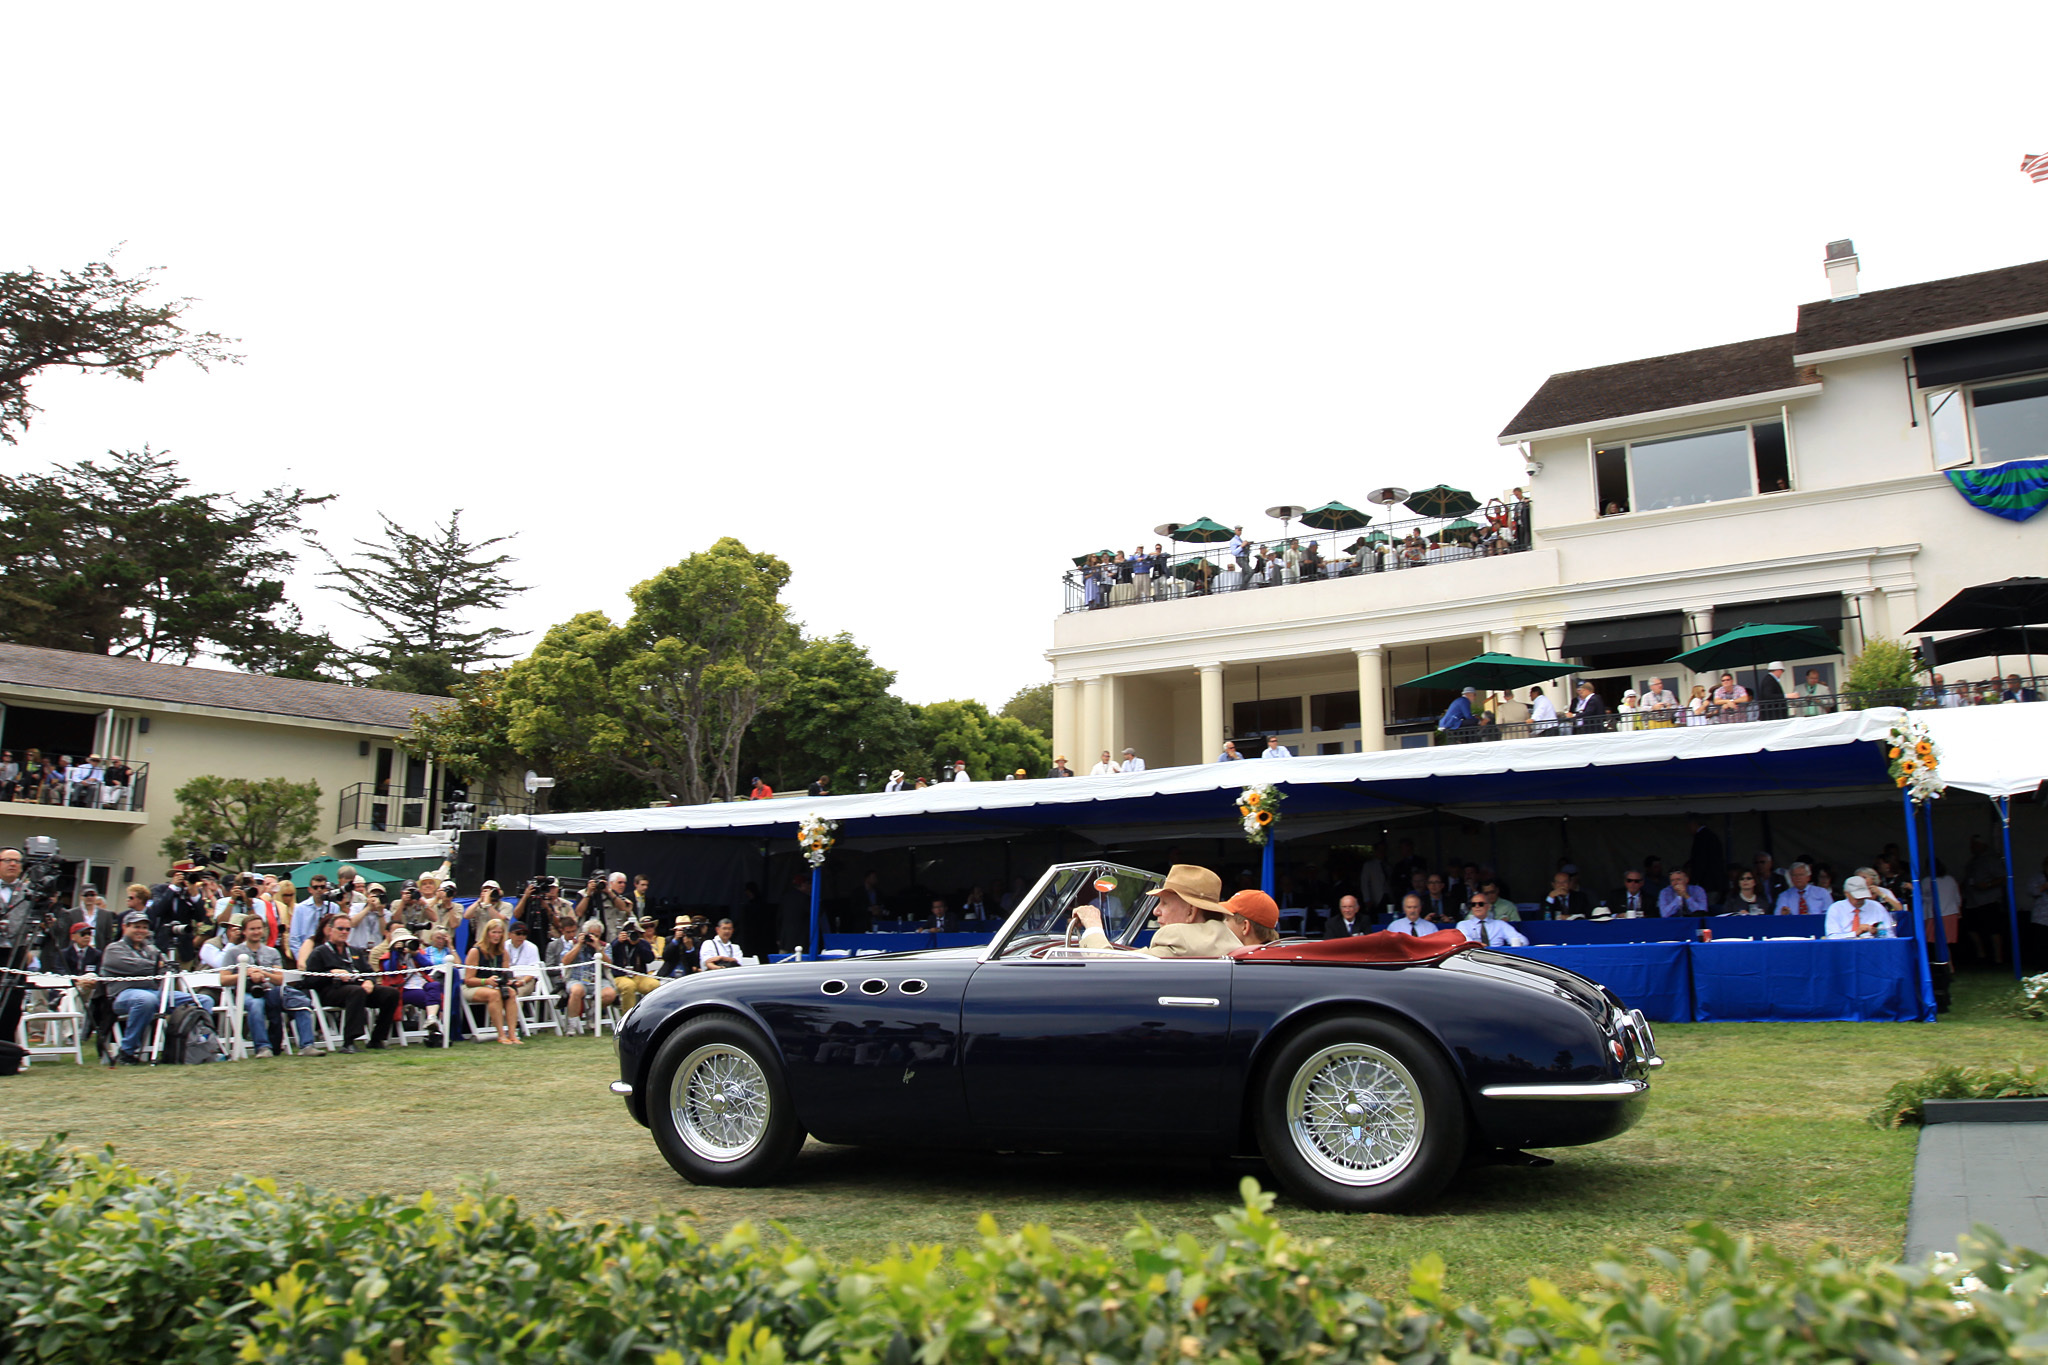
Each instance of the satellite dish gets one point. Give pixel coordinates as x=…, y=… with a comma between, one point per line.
x=1387, y=497
x=1286, y=511
x=1167, y=528
x=535, y=782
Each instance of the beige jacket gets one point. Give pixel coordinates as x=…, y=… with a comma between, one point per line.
x=1208, y=938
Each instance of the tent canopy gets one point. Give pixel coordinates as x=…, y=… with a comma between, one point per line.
x=2001, y=750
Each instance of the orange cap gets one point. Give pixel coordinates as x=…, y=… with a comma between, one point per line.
x=1256, y=906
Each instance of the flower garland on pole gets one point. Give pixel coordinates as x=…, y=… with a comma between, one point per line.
x=1915, y=761
x=1258, y=810
x=814, y=835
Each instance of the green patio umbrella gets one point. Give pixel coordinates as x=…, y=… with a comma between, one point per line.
x=1456, y=528
x=1335, y=516
x=1754, y=644
x=1202, y=531
x=1377, y=538
x=1441, y=501
x=1494, y=672
x=1079, y=560
x=326, y=867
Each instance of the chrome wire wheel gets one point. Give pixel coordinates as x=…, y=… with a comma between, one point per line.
x=720, y=1102
x=1355, y=1114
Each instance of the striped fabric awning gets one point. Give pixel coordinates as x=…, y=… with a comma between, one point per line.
x=2015, y=490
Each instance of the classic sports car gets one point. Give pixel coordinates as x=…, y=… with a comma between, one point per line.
x=1365, y=1070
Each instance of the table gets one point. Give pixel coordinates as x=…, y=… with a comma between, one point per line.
x=1655, y=978
x=1677, y=929
x=1808, y=979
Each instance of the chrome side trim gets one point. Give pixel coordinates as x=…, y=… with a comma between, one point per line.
x=1603, y=1090
x=622, y=1087
x=1198, y=1001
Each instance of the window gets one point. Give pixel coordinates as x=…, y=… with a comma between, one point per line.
x=1989, y=423
x=1274, y=715
x=1333, y=711
x=1685, y=471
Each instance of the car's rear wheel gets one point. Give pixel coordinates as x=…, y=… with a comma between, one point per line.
x=719, y=1105
x=1360, y=1115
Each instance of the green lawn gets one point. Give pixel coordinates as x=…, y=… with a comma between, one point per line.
x=1757, y=1126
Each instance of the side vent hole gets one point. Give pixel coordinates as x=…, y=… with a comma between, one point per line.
x=874, y=985
x=833, y=987
x=912, y=987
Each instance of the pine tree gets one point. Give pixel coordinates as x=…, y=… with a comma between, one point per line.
x=417, y=591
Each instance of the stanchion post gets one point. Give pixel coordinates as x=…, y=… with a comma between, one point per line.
x=1919, y=914
x=817, y=944
x=2012, y=900
x=1266, y=862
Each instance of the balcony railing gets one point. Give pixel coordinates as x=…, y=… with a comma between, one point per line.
x=1383, y=547
x=376, y=809
x=1911, y=698
x=63, y=793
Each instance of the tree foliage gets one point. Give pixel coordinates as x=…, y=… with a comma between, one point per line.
x=260, y=819
x=994, y=746
x=1033, y=706
x=94, y=319
x=122, y=557
x=416, y=591
x=836, y=718
x=1883, y=666
x=665, y=698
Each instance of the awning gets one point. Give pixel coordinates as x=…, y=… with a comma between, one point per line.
x=2021, y=351
x=1823, y=611
x=1663, y=630
x=2001, y=750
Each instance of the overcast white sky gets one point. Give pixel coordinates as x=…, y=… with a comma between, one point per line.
x=926, y=298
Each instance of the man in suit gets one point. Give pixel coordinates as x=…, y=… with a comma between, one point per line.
x=1563, y=902
x=1706, y=864
x=1437, y=902
x=1348, y=920
x=1770, y=691
x=1629, y=898
x=1191, y=917
x=1589, y=712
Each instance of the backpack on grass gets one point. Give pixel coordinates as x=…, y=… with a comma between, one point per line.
x=189, y=1035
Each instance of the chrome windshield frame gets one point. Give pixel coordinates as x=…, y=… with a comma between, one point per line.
x=1141, y=916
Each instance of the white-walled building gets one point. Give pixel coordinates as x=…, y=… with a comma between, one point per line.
x=1791, y=479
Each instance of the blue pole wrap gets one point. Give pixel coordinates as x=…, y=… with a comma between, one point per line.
x=1919, y=911
x=2012, y=899
x=817, y=887
x=1266, y=864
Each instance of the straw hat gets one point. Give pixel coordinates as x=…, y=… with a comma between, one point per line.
x=1198, y=886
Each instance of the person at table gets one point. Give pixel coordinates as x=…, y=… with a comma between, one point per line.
x=1730, y=700
x=1191, y=917
x=1858, y=914
x=1436, y=904
x=1563, y=902
x=1802, y=897
x=1230, y=753
x=1275, y=749
x=1630, y=899
x=1681, y=897
x=1589, y=711
x=1411, y=921
x=1350, y=921
x=1882, y=893
x=1746, y=899
x=1483, y=929
x=2016, y=690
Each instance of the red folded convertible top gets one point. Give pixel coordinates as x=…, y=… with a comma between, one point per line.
x=1376, y=947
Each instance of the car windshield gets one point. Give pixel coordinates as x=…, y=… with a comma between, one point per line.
x=1125, y=895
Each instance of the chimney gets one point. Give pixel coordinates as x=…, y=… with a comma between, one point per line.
x=1841, y=268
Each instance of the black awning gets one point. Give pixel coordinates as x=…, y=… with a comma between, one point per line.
x=1955, y=362
x=1823, y=610
x=1663, y=630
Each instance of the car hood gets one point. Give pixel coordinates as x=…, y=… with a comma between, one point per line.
x=1536, y=976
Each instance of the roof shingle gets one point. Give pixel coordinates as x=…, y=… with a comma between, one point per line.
x=105, y=675
x=2015, y=291
x=1660, y=382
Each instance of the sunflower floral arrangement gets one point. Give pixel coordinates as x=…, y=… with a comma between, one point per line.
x=815, y=835
x=2031, y=1002
x=1915, y=762
x=1258, y=809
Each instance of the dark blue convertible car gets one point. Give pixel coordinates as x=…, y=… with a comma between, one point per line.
x=1365, y=1071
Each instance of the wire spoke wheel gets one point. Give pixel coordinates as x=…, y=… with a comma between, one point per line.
x=1355, y=1114
x=720, y=1102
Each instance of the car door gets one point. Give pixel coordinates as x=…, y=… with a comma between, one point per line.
x=1084, y=1048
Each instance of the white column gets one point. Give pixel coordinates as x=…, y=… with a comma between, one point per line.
x=1699, y=627
x=1112, y=718
x=1901, y=605
x=1372, y=705
x=1065, y=740
x=1212, y=712
x=1092, y=738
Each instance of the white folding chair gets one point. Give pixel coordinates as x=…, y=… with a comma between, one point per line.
x=541, y=1011
x=63, y=1027
x=154, y=1051
x=328, y=1019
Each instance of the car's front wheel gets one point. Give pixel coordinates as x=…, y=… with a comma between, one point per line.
x=719, y=1105
x=1360, y=1115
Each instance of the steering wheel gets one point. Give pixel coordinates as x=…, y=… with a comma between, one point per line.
x=1073, y=939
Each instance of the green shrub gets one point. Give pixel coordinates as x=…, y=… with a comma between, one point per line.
x=1884, y=666
x=99, y=1262
x=1904, y=1104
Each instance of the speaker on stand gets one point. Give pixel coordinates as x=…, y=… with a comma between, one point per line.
x=475, y=856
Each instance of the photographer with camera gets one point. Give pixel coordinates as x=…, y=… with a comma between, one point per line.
x=634, y=958
x=174, y=906
x=605, y=899
x=582, y=960
x=679, y=953
x=269, y=1004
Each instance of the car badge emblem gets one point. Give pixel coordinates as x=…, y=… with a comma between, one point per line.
x=1104, y=885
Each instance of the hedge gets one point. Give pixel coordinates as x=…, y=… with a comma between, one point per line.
x=101, y=1262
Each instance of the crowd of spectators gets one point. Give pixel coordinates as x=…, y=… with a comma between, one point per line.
x=61, y=780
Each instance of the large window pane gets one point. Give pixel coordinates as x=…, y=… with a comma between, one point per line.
x=2012, y=421
x=1686, y=470
x=1949, y=426
x=1274, y=715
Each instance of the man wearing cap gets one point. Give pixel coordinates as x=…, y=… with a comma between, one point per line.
x=522, y=956
x=960, y=770
x=1060, y=768
x=267, y=992
x=1191, y=917
x=1254, y=917
x=635, y=961
x=895, y=782
x=1458, y=715
x=1858, y=914
x=679, y=950
x=1482, y=928
x=1770, y=691
x=1132, y=763
x=134, y=956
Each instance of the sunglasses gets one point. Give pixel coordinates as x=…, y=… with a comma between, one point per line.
x=1475, y=904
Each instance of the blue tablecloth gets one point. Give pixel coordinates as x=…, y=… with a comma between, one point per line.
x=1677, y=929
x=1765, y=926
x=1808, y=979
x=1652, y=977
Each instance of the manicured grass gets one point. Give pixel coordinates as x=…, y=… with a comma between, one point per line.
x=1757, y=1126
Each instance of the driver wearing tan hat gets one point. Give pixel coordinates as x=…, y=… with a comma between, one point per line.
x=1191, y=918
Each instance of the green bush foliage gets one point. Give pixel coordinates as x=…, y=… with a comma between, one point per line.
x=100, y=1262
x=1884, y=668
x=1904, y=1105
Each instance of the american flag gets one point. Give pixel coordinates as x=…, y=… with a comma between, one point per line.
x=2034, y=166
